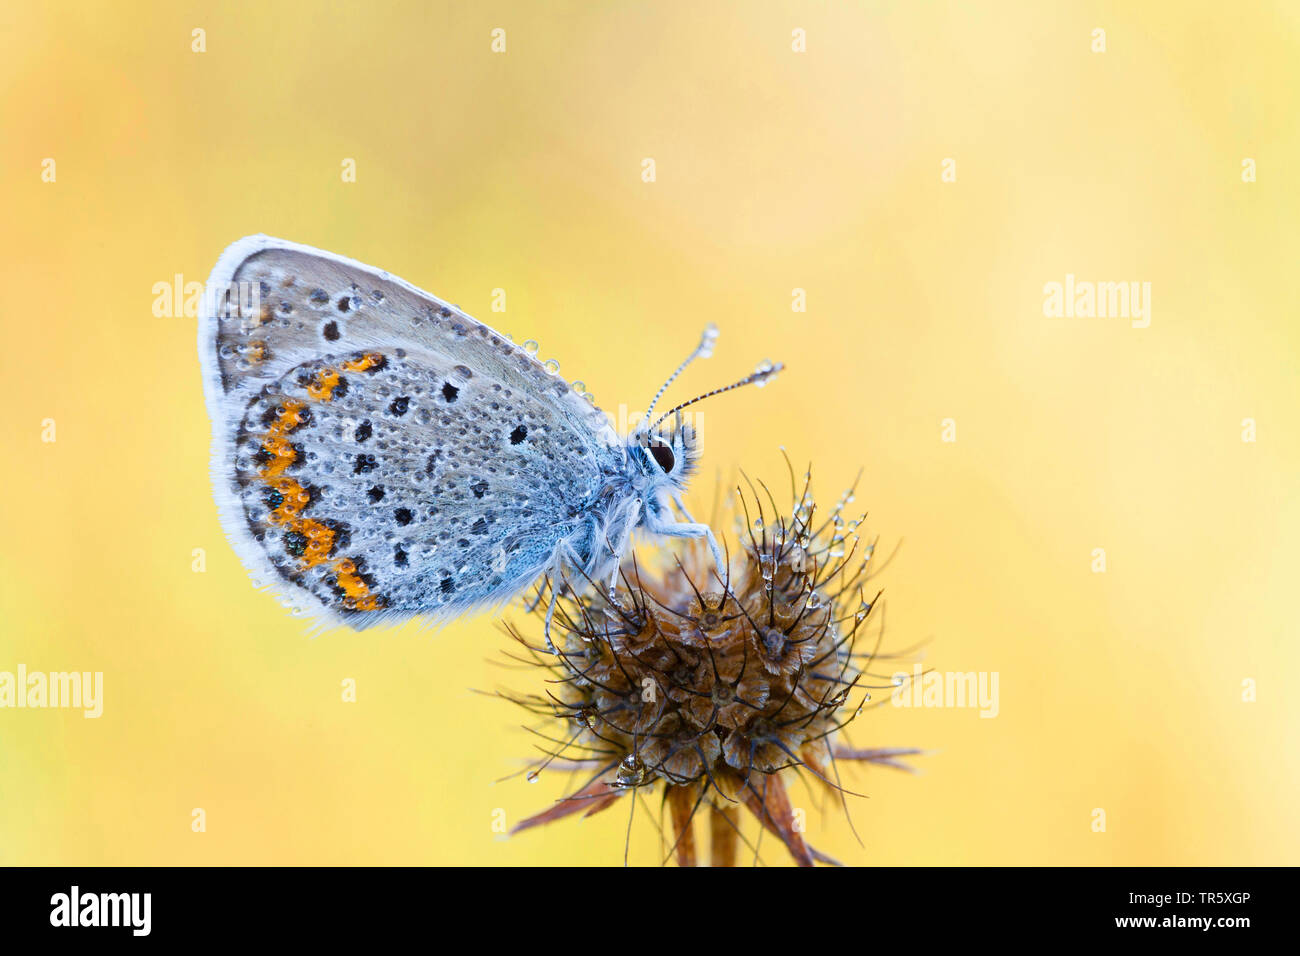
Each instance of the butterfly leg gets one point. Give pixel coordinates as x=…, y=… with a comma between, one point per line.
x=626, y=523
x=719, y=561
x=689, y=529
x=618, y=560
x=564, y=555
x=550, y=613
x=531, y=606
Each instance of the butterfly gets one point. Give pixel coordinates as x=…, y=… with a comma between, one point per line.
x=378, y=454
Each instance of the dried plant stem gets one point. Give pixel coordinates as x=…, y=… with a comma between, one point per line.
x=724, y=825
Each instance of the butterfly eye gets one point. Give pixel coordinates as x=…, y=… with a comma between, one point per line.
x=664, y=456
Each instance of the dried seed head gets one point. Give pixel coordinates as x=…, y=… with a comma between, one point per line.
x=713, y=687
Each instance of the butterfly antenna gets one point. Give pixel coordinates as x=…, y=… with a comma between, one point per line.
x=758, y=377
x=707, y=340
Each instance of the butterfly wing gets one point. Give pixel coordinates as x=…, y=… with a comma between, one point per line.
x=377, y=453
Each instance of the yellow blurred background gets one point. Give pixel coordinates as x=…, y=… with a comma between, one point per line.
x=775, y=170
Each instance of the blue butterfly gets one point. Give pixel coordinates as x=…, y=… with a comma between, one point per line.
x=377, y=454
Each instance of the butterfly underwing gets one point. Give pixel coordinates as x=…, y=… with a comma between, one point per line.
x=378, y=454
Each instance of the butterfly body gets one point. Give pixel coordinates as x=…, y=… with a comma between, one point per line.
x=378, y=454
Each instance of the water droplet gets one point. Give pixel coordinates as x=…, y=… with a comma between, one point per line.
x=766, y=566
x=552, y=366
x=898, y=680
x=531, y=346
x=631, y=772
x=708, y=340
x=579, y=386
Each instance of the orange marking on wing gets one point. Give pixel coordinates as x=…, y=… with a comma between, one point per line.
x=322, y=388
x=276, y=441
x=365, y=363
x=320, y=540
x=295, y=498
x=327, y=379
x=357, y=594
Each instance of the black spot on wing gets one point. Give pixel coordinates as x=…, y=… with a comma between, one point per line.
x=295, y=543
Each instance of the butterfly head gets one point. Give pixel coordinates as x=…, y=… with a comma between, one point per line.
x=665, y=459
